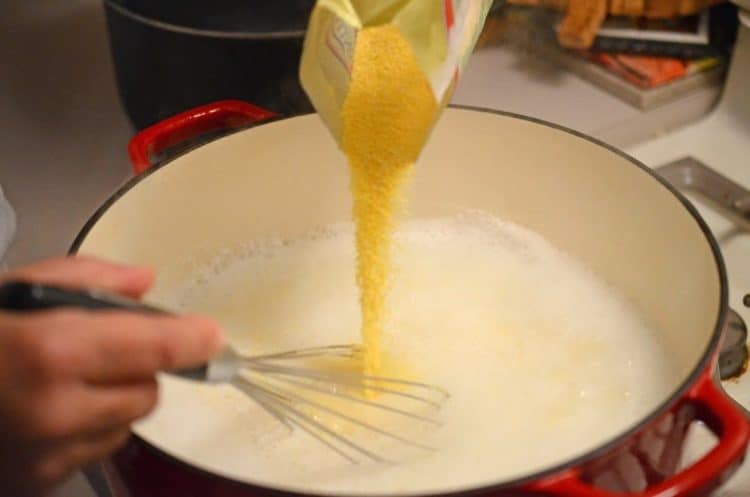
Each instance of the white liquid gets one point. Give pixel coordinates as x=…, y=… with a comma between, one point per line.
x=543, y=360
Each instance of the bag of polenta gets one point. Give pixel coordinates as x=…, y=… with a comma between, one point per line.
x=379, y=73
x=390, y=52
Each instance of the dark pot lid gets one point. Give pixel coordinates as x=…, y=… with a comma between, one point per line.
x=232, y=17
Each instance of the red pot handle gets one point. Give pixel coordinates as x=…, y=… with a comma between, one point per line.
x=720, y=415
x=191, y=124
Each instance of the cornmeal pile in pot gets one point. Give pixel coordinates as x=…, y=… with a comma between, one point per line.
x=386, y=117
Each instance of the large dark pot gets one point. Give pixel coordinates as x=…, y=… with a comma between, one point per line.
x=172, y=55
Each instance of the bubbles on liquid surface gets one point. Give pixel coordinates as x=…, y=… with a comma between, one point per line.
x=542, y=358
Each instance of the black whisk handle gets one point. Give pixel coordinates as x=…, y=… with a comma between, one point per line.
x=21, y=296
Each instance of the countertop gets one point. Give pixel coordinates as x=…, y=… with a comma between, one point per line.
x=63, y=134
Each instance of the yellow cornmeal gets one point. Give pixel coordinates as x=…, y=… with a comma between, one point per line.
x=386, y=116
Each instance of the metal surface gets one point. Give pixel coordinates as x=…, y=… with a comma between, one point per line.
x=726, y=197
x=291, y=394
x=734, y=351
x=7, y=226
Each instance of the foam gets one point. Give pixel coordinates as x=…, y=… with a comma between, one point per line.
x=543, y=359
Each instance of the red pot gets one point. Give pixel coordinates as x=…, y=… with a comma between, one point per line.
x=607, y=209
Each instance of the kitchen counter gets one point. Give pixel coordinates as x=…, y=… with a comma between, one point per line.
x=63, y=135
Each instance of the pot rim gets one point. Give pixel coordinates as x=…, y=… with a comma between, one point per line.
x=701, y=368
x=208, y=33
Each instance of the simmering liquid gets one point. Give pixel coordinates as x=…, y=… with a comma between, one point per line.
x=543, y=360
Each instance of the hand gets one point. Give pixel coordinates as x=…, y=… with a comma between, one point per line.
x=73, y=381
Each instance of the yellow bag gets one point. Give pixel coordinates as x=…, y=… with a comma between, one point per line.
x=441, y=33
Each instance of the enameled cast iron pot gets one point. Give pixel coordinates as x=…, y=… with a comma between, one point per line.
x=286, y=176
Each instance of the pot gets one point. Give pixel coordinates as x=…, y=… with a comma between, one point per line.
x=173, y=55
x=170, y=56
x=609, y=211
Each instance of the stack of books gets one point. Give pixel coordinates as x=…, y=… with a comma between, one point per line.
x=645, y=62
x=644, y=81
x=686, y=38
x=649, y=62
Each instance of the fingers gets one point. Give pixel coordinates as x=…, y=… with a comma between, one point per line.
x=76, y=410
x=106, y=347
x=87, y=272
x=89, y=425
x=130, y=347
x=68, y=372
x=113, y=408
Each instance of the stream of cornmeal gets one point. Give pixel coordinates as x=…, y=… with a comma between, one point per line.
x=386, y=116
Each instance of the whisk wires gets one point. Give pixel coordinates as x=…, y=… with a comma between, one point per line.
x=315, y=399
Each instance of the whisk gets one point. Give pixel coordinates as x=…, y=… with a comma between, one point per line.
x=286, y=384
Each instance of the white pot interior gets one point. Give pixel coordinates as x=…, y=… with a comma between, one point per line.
x=287, y=177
